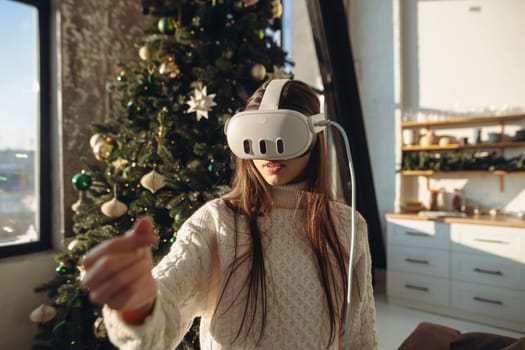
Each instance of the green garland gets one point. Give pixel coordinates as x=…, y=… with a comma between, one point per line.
x=460, y=160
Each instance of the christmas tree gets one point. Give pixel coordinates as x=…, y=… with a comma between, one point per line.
x=164, y=154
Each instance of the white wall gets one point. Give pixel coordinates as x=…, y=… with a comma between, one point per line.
x=466, y=57
x=471, y=54
x=437, y=55
x=19, y=276
x=371, y=33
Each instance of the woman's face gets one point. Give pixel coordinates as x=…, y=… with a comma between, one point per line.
x=282, y=172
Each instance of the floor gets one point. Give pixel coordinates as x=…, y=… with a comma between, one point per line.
x=395, y=323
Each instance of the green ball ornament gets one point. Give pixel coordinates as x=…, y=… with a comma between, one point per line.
x=81, y=181
x=172, y=239
x=260, y=33
x=61, y=269
x=166, y=26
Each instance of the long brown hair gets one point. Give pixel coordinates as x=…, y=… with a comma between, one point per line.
x=250, y=196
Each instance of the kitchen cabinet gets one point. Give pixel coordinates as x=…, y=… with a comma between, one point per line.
x=462, y=267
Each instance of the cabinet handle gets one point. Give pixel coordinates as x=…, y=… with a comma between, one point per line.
x=417, y=261
x=419, y=234
x=488, y=272
x=488, y=301
x=410, y=286
x=490, y=241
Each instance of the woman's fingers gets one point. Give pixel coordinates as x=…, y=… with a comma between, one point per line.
x=121, y=282
x=118, y=271
x=111, y=265
x=137, y=294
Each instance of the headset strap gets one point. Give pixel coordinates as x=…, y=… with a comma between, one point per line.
x=272, y=94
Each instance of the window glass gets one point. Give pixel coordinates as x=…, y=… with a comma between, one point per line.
x=298, y=42
x=19, y=122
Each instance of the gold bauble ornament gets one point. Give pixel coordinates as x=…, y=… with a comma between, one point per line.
x=119, y=163
x=248, y=3
x=114, y=208
x=152, y=181
x=102, y=149
x=258, y=72
x=169, y=67
x=277, y=9
x=145, y=53
x=99, y=329
x=43, y=314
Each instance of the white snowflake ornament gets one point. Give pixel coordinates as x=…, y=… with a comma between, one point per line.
x=201, y=103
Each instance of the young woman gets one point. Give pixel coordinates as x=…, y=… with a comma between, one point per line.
x=265, y=266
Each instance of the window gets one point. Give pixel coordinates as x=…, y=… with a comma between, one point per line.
x=298, y=42
x=24, y=119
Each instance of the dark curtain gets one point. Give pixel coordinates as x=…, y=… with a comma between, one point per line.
x=336, y=63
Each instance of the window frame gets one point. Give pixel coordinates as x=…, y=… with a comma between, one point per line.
x=43, y=162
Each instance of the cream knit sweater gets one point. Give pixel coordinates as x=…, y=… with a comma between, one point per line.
x=297, y=317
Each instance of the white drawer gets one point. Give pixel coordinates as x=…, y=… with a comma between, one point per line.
x=419, y=260
x=489, y=301
x=416, y=233
x=425, y=289
x=500, y=241
x=489, y=270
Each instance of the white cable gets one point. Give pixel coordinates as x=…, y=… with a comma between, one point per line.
x=353, y=228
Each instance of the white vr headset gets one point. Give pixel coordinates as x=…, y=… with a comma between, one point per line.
x=271, y=133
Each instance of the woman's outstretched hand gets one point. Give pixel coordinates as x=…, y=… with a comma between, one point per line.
x=118, y=272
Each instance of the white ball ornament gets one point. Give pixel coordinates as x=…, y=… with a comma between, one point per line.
x=114, y=208
x=145, y=53
x=95, y=139
x=43, y=314
x=72, y=244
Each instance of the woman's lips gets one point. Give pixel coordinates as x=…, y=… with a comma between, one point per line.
x=273, y=167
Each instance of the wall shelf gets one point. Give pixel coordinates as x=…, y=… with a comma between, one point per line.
x=456, y=172
x=462, y=121
x=429, y=173
x=504, y=144
x=453, y=123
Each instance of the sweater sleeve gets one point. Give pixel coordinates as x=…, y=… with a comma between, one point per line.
x=183, y=277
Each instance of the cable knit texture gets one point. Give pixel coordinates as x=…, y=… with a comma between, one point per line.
x=297, y=316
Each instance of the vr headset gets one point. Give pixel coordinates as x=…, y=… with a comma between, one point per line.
x=271, y=133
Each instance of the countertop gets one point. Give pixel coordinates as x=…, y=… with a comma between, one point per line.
x=499, y=220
